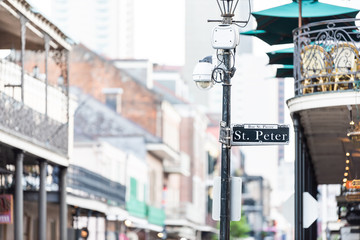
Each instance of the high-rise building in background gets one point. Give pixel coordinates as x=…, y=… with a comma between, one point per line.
x=198, y=41
x=106, y=26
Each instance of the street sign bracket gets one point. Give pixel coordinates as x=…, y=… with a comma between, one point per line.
x=225, y=134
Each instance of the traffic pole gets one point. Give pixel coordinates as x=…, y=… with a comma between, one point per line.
x=225, y=152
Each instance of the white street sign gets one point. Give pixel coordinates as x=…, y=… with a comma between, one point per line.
x=287, y=209
x=235, y=199
x=311, y=212
x=310, y=208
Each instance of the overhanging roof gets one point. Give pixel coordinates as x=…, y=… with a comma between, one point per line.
x=325, y=119
x=37, y=25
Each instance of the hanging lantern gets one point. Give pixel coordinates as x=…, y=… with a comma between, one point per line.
x=354, y=132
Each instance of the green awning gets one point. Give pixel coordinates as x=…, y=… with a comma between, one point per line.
x=156, y=216
x=282, y=56
x=310, y=9
x=285, y=71
x=253, y=32
x=275, y=25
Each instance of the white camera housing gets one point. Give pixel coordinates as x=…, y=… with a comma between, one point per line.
x=202, y=74
x=225, y=37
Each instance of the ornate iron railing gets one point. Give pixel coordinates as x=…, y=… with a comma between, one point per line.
x=24, y=122
x=327, y=56
x=27, y=119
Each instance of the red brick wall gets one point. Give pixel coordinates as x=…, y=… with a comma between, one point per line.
x=93, y=73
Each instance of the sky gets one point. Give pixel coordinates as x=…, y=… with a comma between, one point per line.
x=160, y=26
x=169, y=24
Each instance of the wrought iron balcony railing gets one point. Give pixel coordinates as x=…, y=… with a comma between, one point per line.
x=84, y=183
x=26, y=119
x=327, y=56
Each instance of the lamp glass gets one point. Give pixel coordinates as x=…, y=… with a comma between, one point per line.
x=204, y=85
x=227, y=7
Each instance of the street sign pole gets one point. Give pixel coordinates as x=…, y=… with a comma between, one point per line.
x=225, y=153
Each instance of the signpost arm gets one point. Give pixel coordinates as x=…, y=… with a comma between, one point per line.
x=225, y=153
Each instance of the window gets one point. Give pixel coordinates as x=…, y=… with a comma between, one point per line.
x=113, y=98
x=111, y=101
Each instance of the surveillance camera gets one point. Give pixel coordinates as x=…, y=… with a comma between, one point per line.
x=202, y=74
x=225, y=36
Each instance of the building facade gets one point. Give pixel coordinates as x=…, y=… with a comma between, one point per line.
x=36, y=126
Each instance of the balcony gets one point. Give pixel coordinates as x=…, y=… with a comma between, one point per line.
x=38, y=117
x=326, y=57
x=327, y=85
x=86, y=184
x=180, y=165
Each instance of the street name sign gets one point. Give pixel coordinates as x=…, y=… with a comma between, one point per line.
x=353, y=197
x=259, y=134
x=355, y=183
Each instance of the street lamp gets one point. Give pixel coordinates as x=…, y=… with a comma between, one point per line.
x=220, y=69
x=227, y=7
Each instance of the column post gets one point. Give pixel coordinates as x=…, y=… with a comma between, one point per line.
x=19, y=196
x=63, y=205
x=42, y=207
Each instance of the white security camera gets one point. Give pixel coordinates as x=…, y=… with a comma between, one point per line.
x=225, y=36
x=202, y=74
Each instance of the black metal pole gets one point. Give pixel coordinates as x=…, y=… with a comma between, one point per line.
x=225, y=153
x=298, y=179
x=297, y=153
